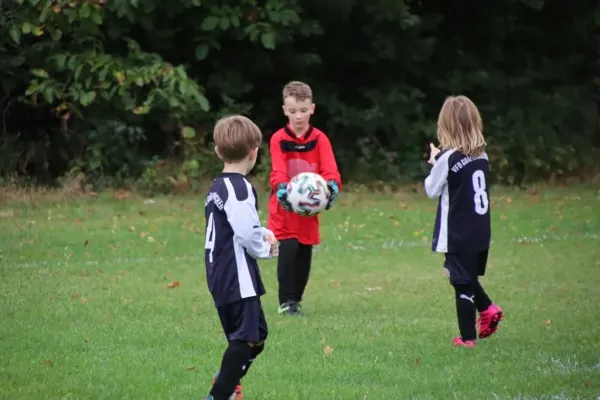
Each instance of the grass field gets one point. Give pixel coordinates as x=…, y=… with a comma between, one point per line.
x=105, y=298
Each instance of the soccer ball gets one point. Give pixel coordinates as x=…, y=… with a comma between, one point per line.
x=308, y=194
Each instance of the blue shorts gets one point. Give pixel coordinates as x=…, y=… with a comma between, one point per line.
x=244, y=320
x=466, y=268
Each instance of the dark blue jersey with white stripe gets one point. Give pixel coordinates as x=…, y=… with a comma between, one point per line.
x=462, y=223
x=234, y=240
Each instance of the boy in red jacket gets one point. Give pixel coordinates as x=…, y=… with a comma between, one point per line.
x=297, y=147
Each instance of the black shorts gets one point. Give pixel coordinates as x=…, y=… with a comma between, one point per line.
x=244, y=320
x=465, y=268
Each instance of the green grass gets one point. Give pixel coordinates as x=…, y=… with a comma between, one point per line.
x=86, y=312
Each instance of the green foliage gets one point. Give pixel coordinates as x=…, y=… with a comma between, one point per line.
x=106, y=86
x=186, y=174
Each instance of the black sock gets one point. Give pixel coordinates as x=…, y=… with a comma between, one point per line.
x=482, y=300
x=235, y=357
x=254, y=352
x=465, y=311
x=303, y=264
x=286, y=269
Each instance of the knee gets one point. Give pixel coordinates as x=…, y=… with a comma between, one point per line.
x=240, y=347
x=464, y=290
x=259, y=344
x=257, y=347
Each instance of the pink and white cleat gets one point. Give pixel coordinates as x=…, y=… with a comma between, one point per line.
x=458, y=341
x=488, y=321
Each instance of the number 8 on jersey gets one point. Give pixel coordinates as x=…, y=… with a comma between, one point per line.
x=481, y=197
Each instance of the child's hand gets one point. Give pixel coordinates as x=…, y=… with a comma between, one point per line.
x=333, y=193
x=272, y=240
x=434, y=151
x=282, y=197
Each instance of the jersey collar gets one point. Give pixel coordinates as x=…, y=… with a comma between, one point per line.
x=304, y=136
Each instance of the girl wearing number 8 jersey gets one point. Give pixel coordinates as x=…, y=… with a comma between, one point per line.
x=462, y=229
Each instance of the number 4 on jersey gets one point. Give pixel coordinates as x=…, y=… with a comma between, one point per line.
x=481, y=198
x=209, y=243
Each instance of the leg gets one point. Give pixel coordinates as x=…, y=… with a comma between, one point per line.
x=303, y=265
x=465, y=311
x=258, y=347
x=235, y=357
x=462, y=276
x=490, y=314
x=482, y=301
x=286, y=272
x=240, y=322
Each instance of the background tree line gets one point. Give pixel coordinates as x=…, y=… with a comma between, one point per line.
x=127, y=91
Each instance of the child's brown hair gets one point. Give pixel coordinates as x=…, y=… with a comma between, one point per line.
x=235, y=137
x=298, y=90
x=460, y=126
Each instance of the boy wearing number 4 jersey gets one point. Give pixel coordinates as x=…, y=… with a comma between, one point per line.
x=235, y=240
x=459, y=178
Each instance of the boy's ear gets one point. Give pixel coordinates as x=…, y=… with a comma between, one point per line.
x=312, y=108
x=217, y=152
x=283, y=108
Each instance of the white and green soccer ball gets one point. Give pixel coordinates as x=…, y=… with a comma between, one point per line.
x=308, y=194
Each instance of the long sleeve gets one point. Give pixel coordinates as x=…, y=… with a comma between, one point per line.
x=245, y=222
x=327, y=166
x=279, y=173
x=438, y=176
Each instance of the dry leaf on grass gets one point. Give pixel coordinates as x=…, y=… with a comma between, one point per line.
x=328, y=350
x=173, y=284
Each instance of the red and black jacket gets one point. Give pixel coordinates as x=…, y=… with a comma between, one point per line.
x=291, y=155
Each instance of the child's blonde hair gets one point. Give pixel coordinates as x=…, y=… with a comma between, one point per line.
x=235, y=137
x=460, y=126
x=298, y=90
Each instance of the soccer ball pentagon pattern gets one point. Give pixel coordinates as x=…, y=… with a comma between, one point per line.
x=308, y=194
